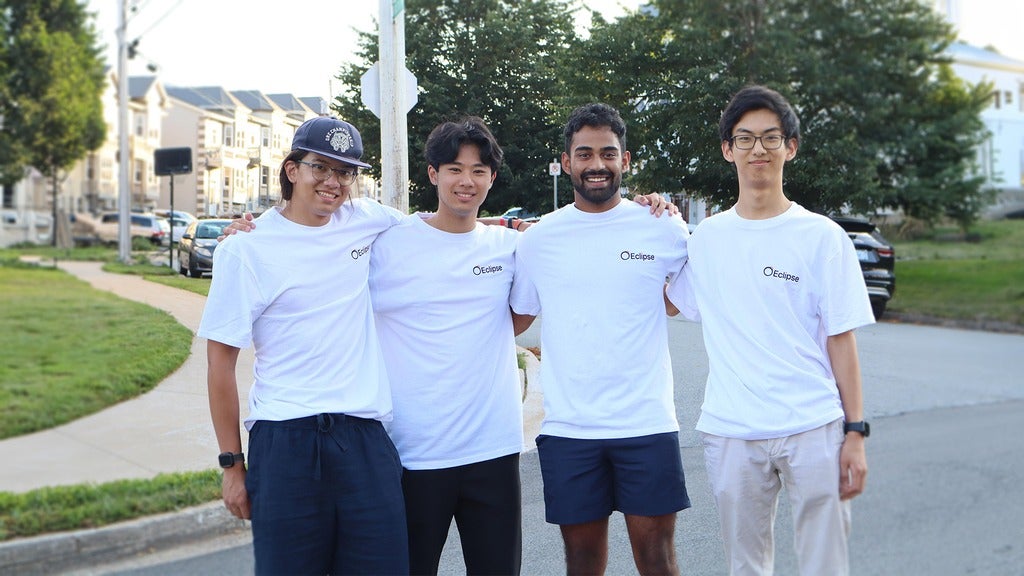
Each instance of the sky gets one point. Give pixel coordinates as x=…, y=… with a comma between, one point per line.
x=299, y=45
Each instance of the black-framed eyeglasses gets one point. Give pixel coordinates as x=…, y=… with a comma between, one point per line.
x=769, y=141
x=322, y=172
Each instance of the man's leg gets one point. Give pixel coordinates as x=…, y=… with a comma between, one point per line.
x=586, y=547
x=430, y=501
x=746, y=486
x=578, y=497
x=653, y=541
x=810, y=466
x=489, y=516
x=292, y=523
x=649, y=489
x=366, y=476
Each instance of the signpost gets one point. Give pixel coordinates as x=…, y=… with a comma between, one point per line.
x=168, y=162
x=555, y=169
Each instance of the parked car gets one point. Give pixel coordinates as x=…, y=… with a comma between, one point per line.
x=195, y=250
x=179, y=221
x=143, y=225
x=520, y=213
x=877, y=260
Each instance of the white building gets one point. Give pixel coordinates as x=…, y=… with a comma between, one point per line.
x=1001, y=157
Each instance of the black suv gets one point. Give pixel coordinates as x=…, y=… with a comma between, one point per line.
x=877, y=260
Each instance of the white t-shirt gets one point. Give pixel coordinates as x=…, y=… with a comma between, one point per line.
x=299, y=294
x=441, y=304
x=598, y=281
x=769, y=293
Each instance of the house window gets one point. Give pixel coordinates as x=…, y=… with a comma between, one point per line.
x=140, y=168
x=264, y=177
x=996, y=99
x=140, y=125
x=229, y=135
x=1008, y=96
x=265, y=137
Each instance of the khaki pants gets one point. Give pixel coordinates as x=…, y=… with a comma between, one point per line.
x=746, y=476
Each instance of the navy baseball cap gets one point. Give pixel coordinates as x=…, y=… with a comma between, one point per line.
x=331, y=137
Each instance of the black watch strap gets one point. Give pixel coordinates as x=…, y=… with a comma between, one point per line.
x=229, y=459
x=863, y=427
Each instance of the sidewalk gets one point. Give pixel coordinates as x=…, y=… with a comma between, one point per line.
x=165, y=430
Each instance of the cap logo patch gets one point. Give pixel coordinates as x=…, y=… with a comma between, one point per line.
x=339, y=139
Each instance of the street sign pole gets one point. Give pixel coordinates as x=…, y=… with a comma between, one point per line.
x=555, y=169
x=394, y=146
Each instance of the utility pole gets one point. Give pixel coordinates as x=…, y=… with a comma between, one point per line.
x=394, y=147
x=124, y=240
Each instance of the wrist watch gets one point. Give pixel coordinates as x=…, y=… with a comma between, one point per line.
x=863, y=427
x=229, y=459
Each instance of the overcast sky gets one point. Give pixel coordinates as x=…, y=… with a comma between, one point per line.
x=299, y=45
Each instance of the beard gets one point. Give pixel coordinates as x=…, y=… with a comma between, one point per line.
x=596, y=195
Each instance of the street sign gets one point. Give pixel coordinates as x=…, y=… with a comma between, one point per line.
x=555, y=169
x=370, y=89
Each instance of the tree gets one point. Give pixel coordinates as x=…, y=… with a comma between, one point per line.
x=879, y=108
x=53, y=115
x=495, y=59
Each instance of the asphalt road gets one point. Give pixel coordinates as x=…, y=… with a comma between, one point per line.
x=945, y=458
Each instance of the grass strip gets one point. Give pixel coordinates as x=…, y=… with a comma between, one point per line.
x=82, y=506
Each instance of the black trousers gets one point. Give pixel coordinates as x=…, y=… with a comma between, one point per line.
x=485, y=500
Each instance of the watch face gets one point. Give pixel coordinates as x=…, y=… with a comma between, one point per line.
x=227, y=460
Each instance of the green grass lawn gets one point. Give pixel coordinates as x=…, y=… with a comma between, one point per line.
x=71, y=350
x=978, y=279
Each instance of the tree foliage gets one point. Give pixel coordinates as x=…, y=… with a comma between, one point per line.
x=497, y=59
x=53, y=76
x=885, y=124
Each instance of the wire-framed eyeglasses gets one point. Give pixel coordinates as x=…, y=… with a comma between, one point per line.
x=322, y=172
x=769, y=141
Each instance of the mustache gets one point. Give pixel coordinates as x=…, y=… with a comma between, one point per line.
x=589, y=173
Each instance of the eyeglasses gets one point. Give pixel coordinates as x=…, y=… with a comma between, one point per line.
x=322, y=172
x=769, y=141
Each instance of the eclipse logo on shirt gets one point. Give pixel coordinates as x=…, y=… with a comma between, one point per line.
x=360, y=251
x=773, y=273
x=627, y=255
x=478, y=270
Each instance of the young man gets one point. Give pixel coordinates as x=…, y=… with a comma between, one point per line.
x=596, y=269
x=779, y=292
x=440, y=291
x=323, y=486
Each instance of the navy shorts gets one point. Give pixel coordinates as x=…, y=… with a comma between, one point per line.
x=585, y=480
x=326, y=495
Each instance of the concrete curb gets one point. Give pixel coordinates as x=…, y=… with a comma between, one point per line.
x=69, y=551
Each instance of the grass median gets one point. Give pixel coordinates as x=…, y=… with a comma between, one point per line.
x=940, y=275
x=976, y=279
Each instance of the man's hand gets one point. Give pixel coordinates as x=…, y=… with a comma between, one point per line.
x=243, y=224
x=236, y=499
x=853, y=466
x=657, y=203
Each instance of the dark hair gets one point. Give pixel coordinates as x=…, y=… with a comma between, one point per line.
x=286, y=184
x=447, y=138
x=753, y=98
x=595, y=115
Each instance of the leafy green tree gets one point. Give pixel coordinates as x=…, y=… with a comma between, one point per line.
x=884, y=122
x=496, y=59
x=53, y=115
